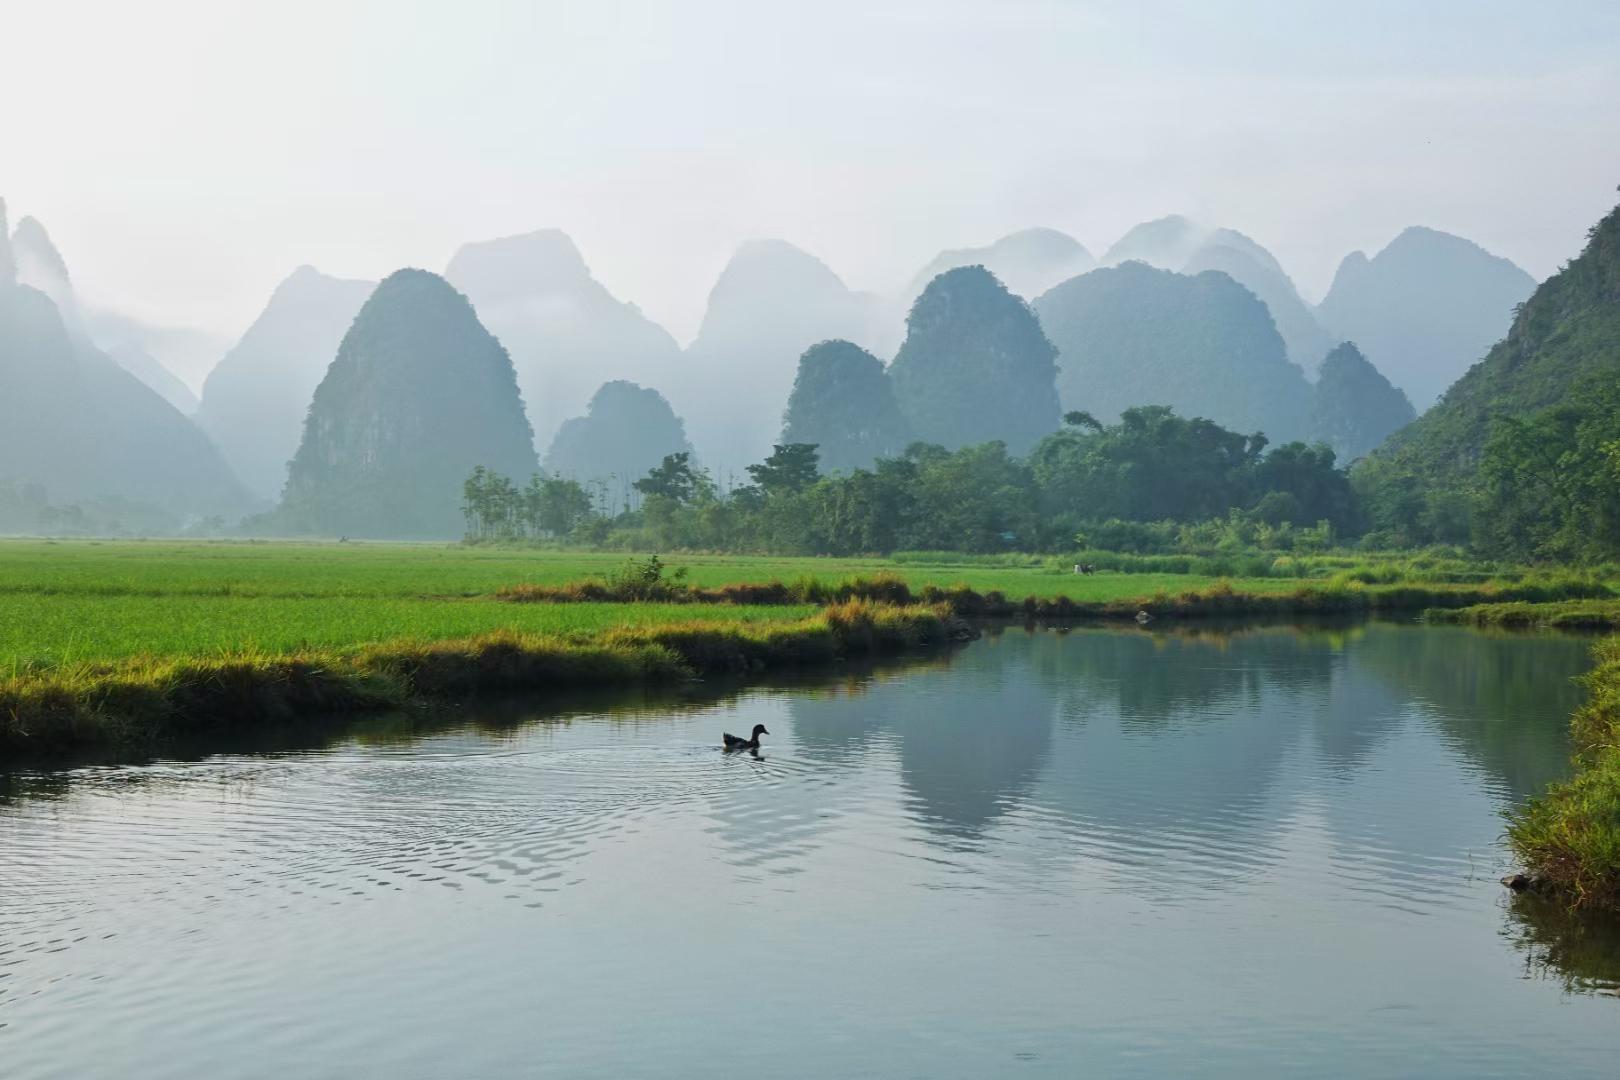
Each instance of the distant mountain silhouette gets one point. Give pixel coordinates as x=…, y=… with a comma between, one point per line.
x=1028, y=262
x=567, y=334
x=626, y=431
x=1177, y=243
x=418, y=395
x=1354, y=408
x=1202, y=344
x=1424, y=309
x=771, y=303
x=255, y=400
x=73, y=420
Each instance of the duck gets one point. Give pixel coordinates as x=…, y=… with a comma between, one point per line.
x=737, y=742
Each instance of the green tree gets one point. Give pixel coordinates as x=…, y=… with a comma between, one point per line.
x=1549, y=484
x=789, y=470
x=672, y=479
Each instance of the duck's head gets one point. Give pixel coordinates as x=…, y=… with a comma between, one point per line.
x=759, y=729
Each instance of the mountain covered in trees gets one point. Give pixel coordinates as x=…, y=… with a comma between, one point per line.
x=1028, y=262
x=975, y=366
x=255, y=400
x=1353, y=407
x=771, y=303
x=1520, y=451
x=418, y=395
x=566, y=332
x=843, y=402
x=1202, y=344
x=1177, y=243
x=74, y=422
x=1424, y=309
x=626, y=431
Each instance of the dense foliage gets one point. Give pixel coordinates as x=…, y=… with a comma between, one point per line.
x=1549, y=484
x=975, y=366
x=843, y=402
x=1426, y=483
x=1084, y=485
x=1353, y=407
x=418, y=395
x=1203, y=345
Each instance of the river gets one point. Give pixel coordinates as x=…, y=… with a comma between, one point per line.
x=1120, y=852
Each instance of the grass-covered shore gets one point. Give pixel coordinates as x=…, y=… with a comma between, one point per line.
x=122, y=641
x=1596, y=613
x=1569, y=838
x=139, y=702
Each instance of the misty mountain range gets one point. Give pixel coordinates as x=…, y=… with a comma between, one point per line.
x=1200, y=318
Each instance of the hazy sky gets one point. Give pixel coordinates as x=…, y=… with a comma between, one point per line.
x=186, y=156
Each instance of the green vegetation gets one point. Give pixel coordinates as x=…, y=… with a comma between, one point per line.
x=975, y=365
x=1154, y=482
x=1480, y=465
x=1569, y=838
x=107, y=641
x=1602, y=613
x=139, y=702
x=843, y=403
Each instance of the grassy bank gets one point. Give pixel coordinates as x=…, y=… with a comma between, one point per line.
x=1339, y=595
x=1602, y=613
x=140, y=702
x=1569, y=838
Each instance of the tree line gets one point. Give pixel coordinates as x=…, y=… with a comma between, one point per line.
x=1083, y=484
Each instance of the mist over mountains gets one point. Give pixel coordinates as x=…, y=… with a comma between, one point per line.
x=1199, y=318
x=75, y=423
x=254, y=402
x=567, y=334
x=1426, y=308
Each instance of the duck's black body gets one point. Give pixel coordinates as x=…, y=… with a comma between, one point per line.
x=737, y=742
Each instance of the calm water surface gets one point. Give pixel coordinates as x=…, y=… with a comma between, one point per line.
x=1105, y=852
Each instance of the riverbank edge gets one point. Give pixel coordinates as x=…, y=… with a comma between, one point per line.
x=1568, y=838
x=1218, y=600
x=1597, y=613
x=138, y=704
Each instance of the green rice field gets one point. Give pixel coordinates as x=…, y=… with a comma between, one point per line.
x=83, y=600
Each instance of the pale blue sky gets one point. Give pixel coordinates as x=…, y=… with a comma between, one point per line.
x=187, y=155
